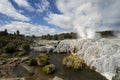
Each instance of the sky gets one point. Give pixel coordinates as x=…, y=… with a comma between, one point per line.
x=40, y=17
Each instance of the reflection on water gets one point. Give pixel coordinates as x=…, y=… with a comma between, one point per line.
x=66, y=73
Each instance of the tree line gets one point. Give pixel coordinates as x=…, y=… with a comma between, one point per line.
x=61, y=36
x=14, y=44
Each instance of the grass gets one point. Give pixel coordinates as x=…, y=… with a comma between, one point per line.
x=42, y=59
x=30, y=73
x=73, y=62
x=4, y=55
x=49, y=68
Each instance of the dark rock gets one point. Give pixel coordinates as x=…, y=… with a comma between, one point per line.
x=117, y=76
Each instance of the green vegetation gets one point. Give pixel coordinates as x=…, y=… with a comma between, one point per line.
x=60, y=36
x=42, y=59
x=4, y=55
x=33, y=62
x=26, y=47
x=30, y=73
x=14, y=44
x=73, y=62
x=106, y=34
x=9, y=48
x=22, y=53
x=49, y=68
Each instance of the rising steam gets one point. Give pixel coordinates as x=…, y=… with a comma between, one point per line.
x=86, y=16
x=86, y=20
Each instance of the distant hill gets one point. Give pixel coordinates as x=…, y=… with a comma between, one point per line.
x=107, y=34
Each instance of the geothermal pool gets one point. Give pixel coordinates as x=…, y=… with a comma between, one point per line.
x=64, y=72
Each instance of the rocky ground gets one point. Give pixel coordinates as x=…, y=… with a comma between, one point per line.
x=14, y=67
x=19, y=69
x=103, y=55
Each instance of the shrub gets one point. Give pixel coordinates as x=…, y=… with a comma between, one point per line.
x=49, y=68
x=9, y=48
x=26, y=47
x=73, y=61
x=30, y=73
x=22, y=53
x=42, y=59
x=4, y=55
x=33, y=62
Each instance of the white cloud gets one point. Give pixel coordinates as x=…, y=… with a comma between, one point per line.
x=110, y=10
x=28, y=29
x=42, y=6
x=86, y=15
x=24, y=4
x=7, y=9
x=60, y=20
x=81, y=15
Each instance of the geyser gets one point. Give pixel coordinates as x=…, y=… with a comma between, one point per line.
x=86, y=16
x=86, y=20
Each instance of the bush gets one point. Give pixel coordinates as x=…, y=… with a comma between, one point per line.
x=4, y=55
x=26, y=47
x=49, y=68
x=22, y=53
x=30, y=73
x=33, y=62
x=9, y=48
x=73, y=62
x=42, y=59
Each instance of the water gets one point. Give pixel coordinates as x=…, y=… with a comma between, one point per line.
x=66, y=73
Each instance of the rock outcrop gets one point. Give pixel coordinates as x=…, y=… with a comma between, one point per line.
x=103, y=55
x=43, y=49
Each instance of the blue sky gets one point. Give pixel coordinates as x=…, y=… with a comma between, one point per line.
x=39, y=17
x=28, y=13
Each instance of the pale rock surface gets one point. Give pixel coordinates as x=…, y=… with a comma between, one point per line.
x=103, y=55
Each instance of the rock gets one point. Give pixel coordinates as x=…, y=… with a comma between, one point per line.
x=57, y=78
x=44, y=49
x=24, y=59
x=15, y=59
x=103, y=54
x=12, y=78
x=2, y=62
x=117, y=76
x=65, y=46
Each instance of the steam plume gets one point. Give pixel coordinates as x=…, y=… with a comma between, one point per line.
x=86, y=16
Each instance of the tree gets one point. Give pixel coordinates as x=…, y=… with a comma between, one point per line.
x=60, y=36
x=5, y=31
x=18, y=32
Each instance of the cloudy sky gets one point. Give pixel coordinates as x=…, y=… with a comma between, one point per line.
x=41, y=17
